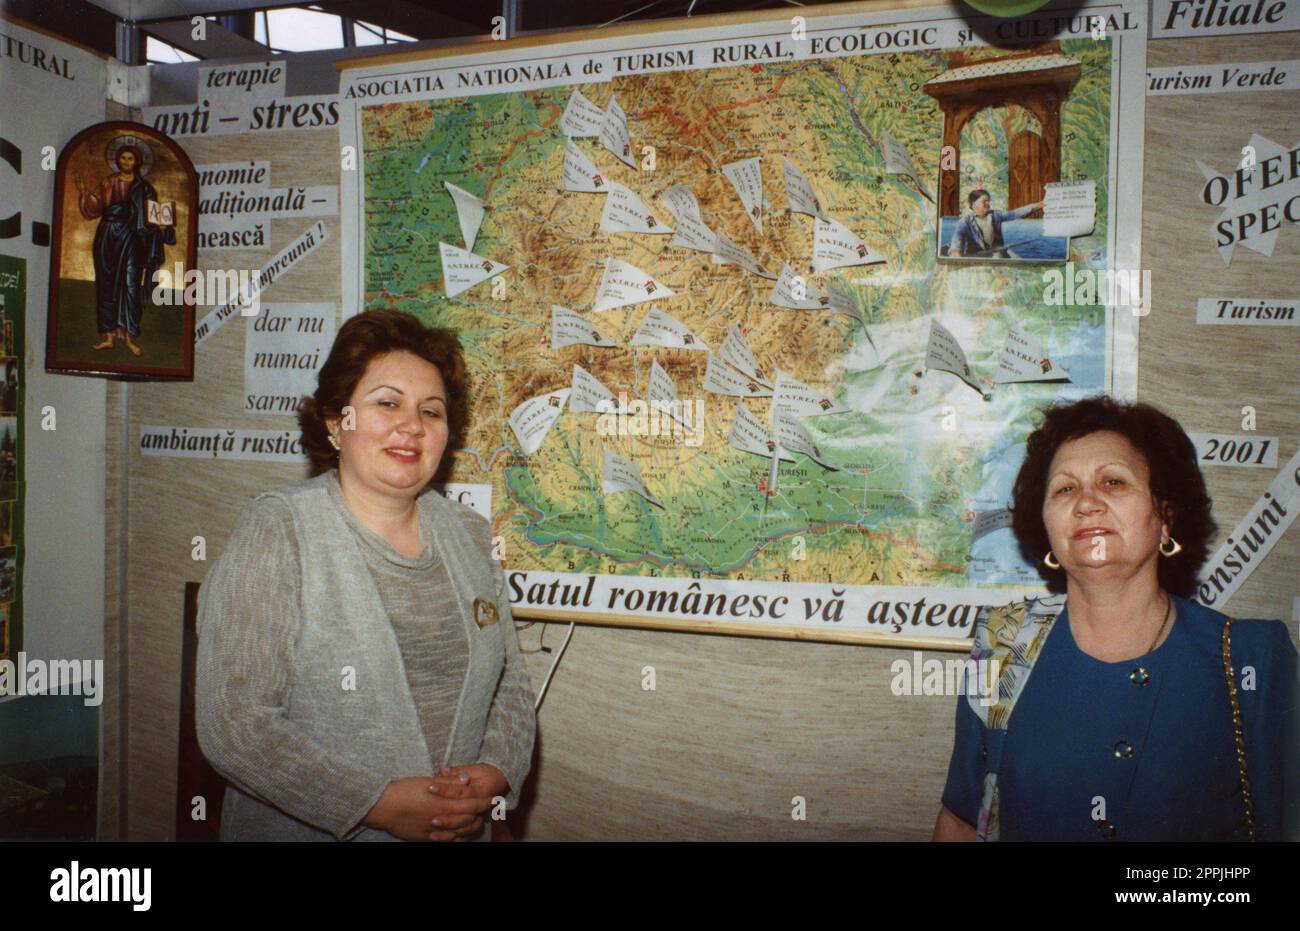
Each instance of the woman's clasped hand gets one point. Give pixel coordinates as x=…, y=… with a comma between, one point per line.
x=451, y=806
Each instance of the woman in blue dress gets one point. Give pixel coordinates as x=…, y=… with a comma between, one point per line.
x=1115, y=716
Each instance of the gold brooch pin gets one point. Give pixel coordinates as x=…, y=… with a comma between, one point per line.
x=485, y=613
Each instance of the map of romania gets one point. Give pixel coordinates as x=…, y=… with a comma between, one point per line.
x=918, y=453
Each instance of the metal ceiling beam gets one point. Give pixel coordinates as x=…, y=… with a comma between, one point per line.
x=512, y=11
x=218, y=41
x=146, y=10
x=412, y=19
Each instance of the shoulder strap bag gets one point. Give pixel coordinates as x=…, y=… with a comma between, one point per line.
x=1231, y=678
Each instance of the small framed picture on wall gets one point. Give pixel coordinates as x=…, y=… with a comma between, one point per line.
x=125, y=237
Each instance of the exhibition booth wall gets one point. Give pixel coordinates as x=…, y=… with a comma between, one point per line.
x=735, y=728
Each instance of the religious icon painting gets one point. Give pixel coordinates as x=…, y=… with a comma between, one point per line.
x=125, y=236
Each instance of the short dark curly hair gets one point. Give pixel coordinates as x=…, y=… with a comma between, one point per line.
x=359, y=341
x=1176, y=483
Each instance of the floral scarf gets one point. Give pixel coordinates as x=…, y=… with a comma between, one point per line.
x=1012, y=636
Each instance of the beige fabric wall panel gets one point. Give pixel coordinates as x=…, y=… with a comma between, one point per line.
x=1202, y=374
x=734, y=729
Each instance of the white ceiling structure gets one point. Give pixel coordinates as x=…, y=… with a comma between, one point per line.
x=170, y=21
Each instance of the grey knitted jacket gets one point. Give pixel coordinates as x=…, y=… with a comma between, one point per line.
x=310, y=762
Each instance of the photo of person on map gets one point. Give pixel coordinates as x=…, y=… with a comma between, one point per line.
x=1003, y=144
x=979, y=231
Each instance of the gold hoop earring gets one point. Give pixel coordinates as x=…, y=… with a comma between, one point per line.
x=1178, y=548
x=1050, y=561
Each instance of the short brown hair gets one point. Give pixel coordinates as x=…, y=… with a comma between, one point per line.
x=359, y=341
x=1176, y=483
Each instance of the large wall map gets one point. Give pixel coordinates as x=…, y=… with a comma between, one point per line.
x=682, y=215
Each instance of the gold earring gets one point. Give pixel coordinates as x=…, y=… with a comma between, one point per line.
x=1178, y=548
x=1051, y=562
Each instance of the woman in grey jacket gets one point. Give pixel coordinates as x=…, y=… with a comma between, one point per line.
x=359, y=675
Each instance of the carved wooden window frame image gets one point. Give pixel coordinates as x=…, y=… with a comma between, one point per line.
x=1038, y=82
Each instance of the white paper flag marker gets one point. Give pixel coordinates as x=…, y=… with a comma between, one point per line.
x=462, y=269
x=794, y=436
x=691, y=233
x=622, y=283
x=621, y=475
x=837, y=246
x=726, y=252
x=749, y=434
x=614, y=135
x=797, y=292
x=680, y=201
x=469, y=211
x=569, y=328
x=588, y=393
x=662, y=393
x=799, y=193
x=720, y=378
x=663, y=329
x=582, y=119
x=1023, y=359
x=746, y=176
x=626, y=213
x=803, y=400
x=840, y=300
x=579, y=172
x=736, y=353
x=533, y=419
x=899, y=162
x=944, y=354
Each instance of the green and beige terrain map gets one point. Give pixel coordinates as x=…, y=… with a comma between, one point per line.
x=918, y=453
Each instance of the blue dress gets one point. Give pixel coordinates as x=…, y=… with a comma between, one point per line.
x=1141, y=749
